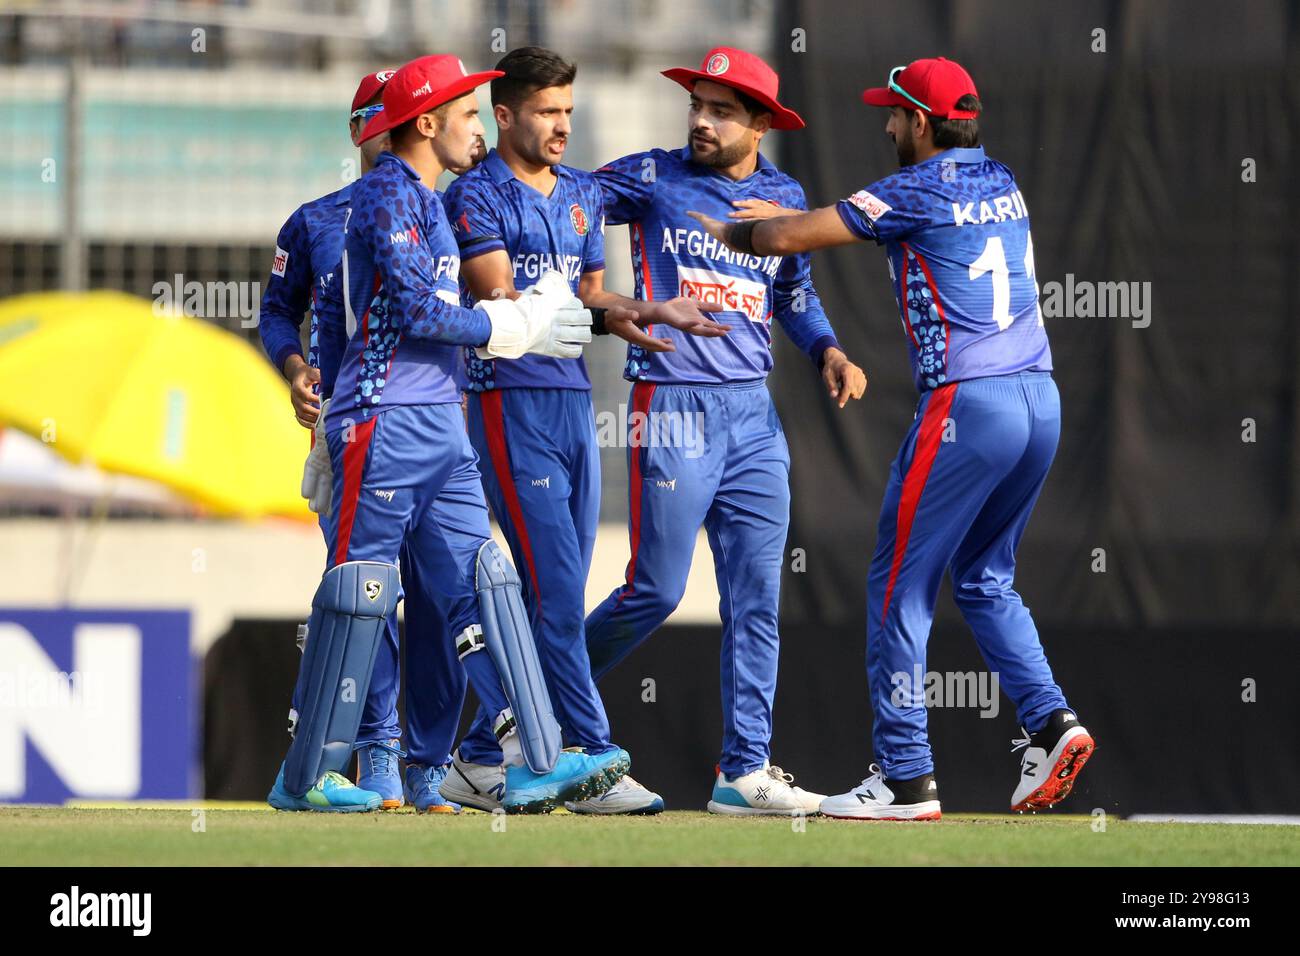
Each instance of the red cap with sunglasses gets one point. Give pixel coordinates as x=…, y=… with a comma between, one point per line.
x=934, y=86
x=370, y=84
x=420, y=86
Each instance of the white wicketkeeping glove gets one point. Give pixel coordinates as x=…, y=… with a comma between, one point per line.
x=317, y=474
x=546, y=319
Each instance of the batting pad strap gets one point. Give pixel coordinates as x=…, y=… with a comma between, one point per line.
x=469, y=641
x=504, y=724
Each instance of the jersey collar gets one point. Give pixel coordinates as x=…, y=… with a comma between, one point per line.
x=387, y=157
x=497, y=169
x=955, y=155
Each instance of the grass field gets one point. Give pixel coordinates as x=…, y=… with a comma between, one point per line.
x=242, y=835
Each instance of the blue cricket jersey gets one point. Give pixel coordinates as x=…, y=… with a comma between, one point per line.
x=491, y=209
x=307, y=251
x=401, y=287
x=672, y=256
x=961, y=259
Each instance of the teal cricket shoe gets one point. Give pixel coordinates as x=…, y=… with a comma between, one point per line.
x=576, y=776
x=379, y=772
x=333, y=793
x=421, y=790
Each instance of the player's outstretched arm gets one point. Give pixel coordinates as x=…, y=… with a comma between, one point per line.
x=626, y=317
x=781, y=235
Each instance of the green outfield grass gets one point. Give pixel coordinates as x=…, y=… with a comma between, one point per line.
x=242, y=835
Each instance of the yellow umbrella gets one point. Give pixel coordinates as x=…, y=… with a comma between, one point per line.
x=20, y=314
x=100, y=378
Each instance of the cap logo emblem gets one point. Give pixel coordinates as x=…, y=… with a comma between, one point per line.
x=383, y=76
x=717, y=65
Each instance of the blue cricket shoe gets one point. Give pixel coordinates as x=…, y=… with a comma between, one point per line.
x=333, y=793
x=576, y=776
x=421, y=790
x=379, y=771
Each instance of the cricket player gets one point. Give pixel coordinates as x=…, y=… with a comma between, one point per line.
x=734, y=480
x=955, y=229
x=531, y=419
x=404, y=474
x=303, y=276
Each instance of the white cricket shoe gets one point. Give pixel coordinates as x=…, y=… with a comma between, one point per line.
x=476, y=785
x=878, y=799
x=626, y=797
x=764, y=792
x=1052, y=759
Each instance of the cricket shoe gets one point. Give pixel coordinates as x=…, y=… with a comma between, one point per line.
x=421, y=789
x=333, y=793
x=379, y=772
x=626, y=797
x=476, y=785
x=767, y=791
x=1052, y=759
x=576, y=776
x=879, y=799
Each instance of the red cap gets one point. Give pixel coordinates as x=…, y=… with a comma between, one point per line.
x=934, y=85
x=741, y=71
x=420, y=86
x=371, y=84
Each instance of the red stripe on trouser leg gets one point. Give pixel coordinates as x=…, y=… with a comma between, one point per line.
x=642, y=393
x=927, y=447
x=354, y=463
x=495, y=426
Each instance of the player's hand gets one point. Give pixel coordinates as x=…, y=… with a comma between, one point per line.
x=302, y=393
x=759, y=209
x=689, y=315
x=626, y=324
x=714, y=227
x=843, y=379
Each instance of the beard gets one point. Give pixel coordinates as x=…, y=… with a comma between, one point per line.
x=722, y=156
x=906, y=147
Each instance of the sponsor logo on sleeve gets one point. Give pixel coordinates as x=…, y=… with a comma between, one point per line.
x=872, y=206
x=281, y=262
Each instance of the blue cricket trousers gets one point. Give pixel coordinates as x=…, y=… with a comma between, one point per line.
x=433, y=711
x=711, y=456
x=959, y=497
x=406, y=480
x=541, y=473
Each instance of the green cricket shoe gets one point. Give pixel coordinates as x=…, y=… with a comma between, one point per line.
x=333, y=793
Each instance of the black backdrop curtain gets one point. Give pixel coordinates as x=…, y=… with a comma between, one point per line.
x=1131, y=161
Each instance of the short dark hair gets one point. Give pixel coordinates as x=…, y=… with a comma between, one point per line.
x=958, y=134
x=527, y=70
x=750, y=105
x=402, y=132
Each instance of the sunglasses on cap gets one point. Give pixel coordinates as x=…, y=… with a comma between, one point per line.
x=893, y=85
x=366, y=112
